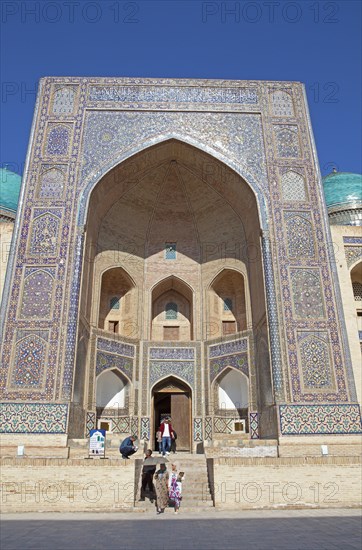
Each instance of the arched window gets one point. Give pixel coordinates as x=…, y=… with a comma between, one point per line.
x=114, y=303
x=228, y=304
x=171, y=310
x=357, y=291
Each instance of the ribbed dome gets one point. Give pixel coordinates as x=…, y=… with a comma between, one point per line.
x=343, y=194
x=342, y=188
x=9, y=191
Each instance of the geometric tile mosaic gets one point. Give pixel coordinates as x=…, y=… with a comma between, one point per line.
x=122, y=129
x=45, y=228
x=352, y=240
x=208, y=428
x=320, y=419
x=184, y=94
x=63, y=101
x=108, y=361
x=187, y=354
x=52, y=181
x=120, y=121
x=37, y=292
x=315, y=361
x=238, y=361
x=293, y=187
x=134, y=426
x=161, y=369
x=299, y=235
x=30, y=359
x=228, y=348
x=119, y=425
x=353, y=254
x=307, y=294
x=254, y=425
x=58, y=138
x=357, y=291
x=223, y=425
x=197, y=429
x=286, y=140
x=47, y=418
x=128, y=350
x=281, y=103
x=145, y=428
x=90, y=422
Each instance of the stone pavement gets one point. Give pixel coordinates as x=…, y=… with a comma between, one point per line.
x=319, y=529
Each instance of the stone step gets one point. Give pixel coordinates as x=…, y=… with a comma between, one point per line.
x=197, y=506
x=239, y=442
x=35, y=452
x=251, y=452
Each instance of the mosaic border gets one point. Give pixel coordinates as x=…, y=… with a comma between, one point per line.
x=326, y=419
x=40, y=418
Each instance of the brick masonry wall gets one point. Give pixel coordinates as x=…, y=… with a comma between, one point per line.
x=324, y=482
x=57, y=485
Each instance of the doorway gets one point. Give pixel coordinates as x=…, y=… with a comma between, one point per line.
x=172, y=398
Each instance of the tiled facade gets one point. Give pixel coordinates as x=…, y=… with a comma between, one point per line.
x=82, y=129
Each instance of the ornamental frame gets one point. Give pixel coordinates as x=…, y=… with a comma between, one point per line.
x=161, y=100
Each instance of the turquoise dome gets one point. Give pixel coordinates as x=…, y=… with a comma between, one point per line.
x=9, y=190
x=343, y=188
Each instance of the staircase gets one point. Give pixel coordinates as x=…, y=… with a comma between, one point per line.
x=195, y=489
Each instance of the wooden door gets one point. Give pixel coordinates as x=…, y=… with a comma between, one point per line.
x=180, y=414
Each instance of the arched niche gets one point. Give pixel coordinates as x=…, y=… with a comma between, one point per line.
x=117, y=310
x=172, y=397
x=111, y=391
x=232, y=389
x=356, y=279
x=171, y=318
x=227, y=308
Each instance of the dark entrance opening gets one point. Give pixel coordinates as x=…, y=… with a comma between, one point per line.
x=172, y=398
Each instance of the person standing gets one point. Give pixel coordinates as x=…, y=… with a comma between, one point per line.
x=159, y=441
x=147, y=476
x=127, y=447
x=167, y=435
x=173, y=442
x=161, y=487
x=175, y=487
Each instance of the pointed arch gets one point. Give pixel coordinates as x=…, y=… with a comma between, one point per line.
x=228, y=302
x=111, y=389
x=239, y=168
x=116, y=300
x=175, y=379
x=171, y=291
x=231, y=390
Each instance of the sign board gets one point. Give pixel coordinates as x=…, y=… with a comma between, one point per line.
x=97, y=443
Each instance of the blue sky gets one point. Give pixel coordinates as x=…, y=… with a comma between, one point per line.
x=315, y=42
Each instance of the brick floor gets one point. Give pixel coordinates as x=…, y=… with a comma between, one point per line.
x=327, y=529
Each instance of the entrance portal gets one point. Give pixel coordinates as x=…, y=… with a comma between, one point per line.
x=172, y=398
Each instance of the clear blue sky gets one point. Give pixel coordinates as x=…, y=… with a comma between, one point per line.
x=315, y=42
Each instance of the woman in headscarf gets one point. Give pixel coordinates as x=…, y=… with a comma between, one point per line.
x=161, y=488
x=175, y=487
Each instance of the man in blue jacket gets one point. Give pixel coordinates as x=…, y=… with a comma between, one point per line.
x=128, y=447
